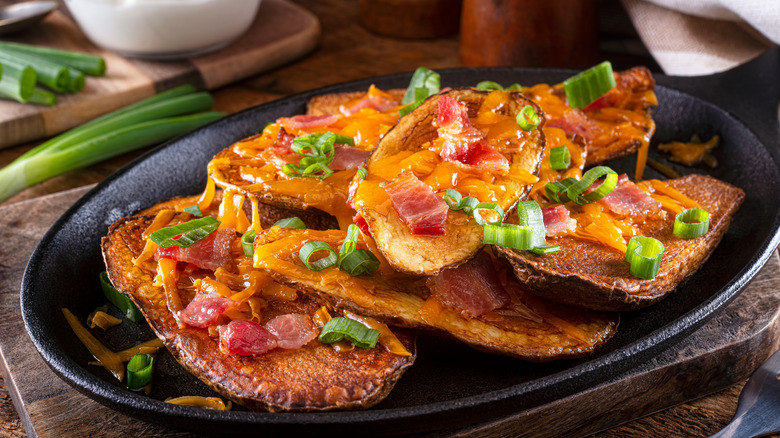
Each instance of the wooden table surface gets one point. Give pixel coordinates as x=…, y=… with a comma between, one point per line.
x=348, y=51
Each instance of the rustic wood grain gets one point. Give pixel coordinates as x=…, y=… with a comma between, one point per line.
x=281, y=32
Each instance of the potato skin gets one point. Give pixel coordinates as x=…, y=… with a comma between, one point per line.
x=312, y=378
x=422, y=255
x=591, y=276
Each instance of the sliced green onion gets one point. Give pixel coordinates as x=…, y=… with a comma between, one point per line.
x=188, y=232
x=43, y=97
x=589, y=85
x=17, y=84
x=314, y=246
x=318, y=150
x=362, y=173
x=358, y=333
x=644, y=255
x=575, y=191
x=527, y=118
x=424, y=83
x=529, y=214
x=515, y=87
x=290, y=222
x=560, y=158
x=468, y=204
x=489, y=86
x=546, y=249
x=691, y=223
x=51, y=74
x=556, y=191
x=350, y=242
x=248, y=243
x=89, y=64
x=193, y=210
x=509, y=236
x=453, y=197
x=359, y=262
x=139, y=371
x=487, y=206
x=120, y=300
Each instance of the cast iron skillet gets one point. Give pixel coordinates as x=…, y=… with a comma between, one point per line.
x=450, y=385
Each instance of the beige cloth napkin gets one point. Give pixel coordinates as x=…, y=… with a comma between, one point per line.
x=700, y=37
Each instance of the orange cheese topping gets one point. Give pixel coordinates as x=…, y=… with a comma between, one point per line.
x=689, y=153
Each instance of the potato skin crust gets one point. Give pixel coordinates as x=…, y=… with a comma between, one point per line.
x=312, y=378
x=589, y=275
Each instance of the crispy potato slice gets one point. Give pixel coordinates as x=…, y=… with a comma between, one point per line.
x=400, y=299
x=414, y=145
x=312, y=378
x=590, y=275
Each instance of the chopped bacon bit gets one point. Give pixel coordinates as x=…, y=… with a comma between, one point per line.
x=629, y=200
x=245, y=338
x=303, y=121
x=204, y=310
x=283, y=143
x=463, y=143
x=210, y=253
x=348, y=157
x=361, y=223
x=473, y=289
x=417, y=205
x=292, y=331
x=557, y=221
x=575, y=122
x=597, y=104
x=635, y=80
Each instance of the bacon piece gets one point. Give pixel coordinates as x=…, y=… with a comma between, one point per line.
x=473, y=288
x=417, y=205
x=245, y=338
x=210, y=253
x=463, y=143
x=348, y=157
x=575, y=122
x=635, y=80
x=204, y=310
x=292, y=331
x=557, y=221
x=307, y=122
x=283, y=143
x=629, y=200
x=375, y=102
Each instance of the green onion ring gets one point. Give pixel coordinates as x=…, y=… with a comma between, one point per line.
x=487, y=206
x=508, y=235
x=248, y=243
x=358, y=262
x=529, y=214
x=358, y=333
x=453, y=197
x=362, y=173
x=560, y=158
x=556, y=191
x=350, y=242
x=527, y=118
x=691, y=223
x=514, y=87
x=139, y=371
x=317, y=245
x=575, y=191
x=189, y=232
x=546, y=249
x=120, y=300
x=489, y=86
x=644, y=255
x=468, y=204
x=589, y=85
x=290, y=222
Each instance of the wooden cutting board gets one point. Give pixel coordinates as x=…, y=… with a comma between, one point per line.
x=281, y=32
x=724, y=351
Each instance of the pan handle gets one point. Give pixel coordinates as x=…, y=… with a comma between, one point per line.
x=750, y=92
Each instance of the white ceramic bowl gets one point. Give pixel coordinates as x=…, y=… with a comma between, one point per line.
x=163, y=29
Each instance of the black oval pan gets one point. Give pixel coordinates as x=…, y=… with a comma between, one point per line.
x=450, y=385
